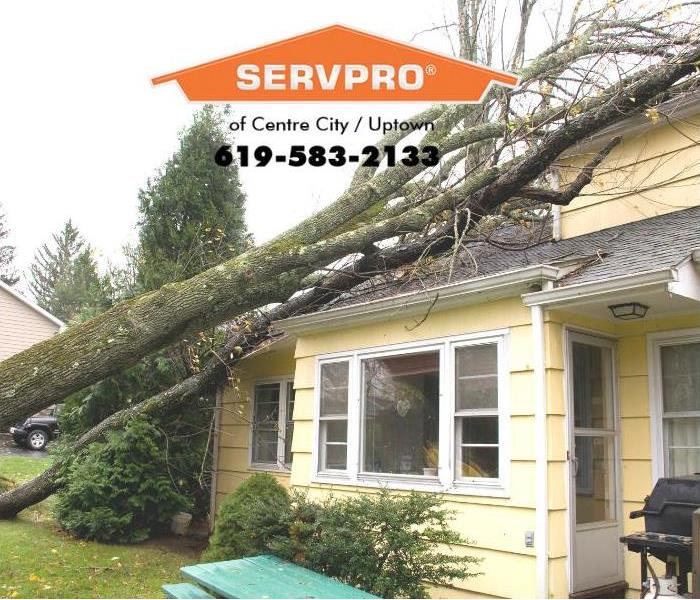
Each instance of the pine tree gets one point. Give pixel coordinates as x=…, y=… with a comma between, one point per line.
x=192, y=217
x=8, y=274
x=64, y=277
x=192, y=213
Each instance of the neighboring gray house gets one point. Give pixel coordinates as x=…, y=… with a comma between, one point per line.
x=22, y=323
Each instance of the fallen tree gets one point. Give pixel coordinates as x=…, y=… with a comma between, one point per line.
x=248, y=336
x=386, y=218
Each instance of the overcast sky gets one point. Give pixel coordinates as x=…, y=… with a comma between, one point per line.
x=83, y=128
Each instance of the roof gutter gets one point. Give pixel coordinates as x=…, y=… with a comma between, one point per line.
x=442, y=297
x=585, y=292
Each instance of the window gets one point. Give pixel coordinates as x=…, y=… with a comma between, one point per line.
x=680, y=395
x=333, y=426
x=401, y=402
x=476, y=411
x=289, y=420
x=431, y=415
x=273, y=425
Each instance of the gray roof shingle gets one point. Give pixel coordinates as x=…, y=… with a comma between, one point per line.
x=645, y=245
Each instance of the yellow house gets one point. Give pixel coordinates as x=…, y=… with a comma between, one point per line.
x=521, y=389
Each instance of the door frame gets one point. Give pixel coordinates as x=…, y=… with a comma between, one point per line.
x=572, y=334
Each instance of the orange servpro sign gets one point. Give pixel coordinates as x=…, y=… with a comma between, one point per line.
x=337, y=63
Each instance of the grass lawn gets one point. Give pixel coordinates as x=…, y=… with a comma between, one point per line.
x=39, y=560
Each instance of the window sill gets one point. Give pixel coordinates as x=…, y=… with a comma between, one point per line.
x=430, y=484
x=270, y=468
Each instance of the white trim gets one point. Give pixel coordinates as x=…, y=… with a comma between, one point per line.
x=446, y=480
x=594, y=289
x=30, y=304
x=688, y=282
x=541, y=454
x=280, y=466
x=351, y=461
x=479, y=289
x=654, y=343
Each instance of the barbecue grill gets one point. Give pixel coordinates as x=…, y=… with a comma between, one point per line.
x=668, y=521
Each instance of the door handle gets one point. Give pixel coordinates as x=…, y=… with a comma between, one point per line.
x=574, y=462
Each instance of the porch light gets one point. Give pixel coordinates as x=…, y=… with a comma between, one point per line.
x=629, y=311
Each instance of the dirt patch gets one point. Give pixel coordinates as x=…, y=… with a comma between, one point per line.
x=187, y=546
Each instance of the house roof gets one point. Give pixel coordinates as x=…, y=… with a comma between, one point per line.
x=47, y=315
x=646, y=245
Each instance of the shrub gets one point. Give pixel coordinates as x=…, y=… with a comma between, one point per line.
x=254, y=515
x=388, y=545
x=120, y=490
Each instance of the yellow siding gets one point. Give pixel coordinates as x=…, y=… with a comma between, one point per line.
x=233, y=462
x=648, y=174
x=495, y=526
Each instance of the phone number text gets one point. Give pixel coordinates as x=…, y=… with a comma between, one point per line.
x=335, y=156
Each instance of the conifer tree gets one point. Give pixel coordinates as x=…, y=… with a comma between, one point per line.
x=192, y=212
x=64, y=277
x=8, y=274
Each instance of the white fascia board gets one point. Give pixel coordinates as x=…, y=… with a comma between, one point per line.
x=448, y=296
x=688, y=280
x=282, y=342
x=30, y=304
x=591, y=290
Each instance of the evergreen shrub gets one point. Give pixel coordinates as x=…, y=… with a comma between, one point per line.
x=120, y=491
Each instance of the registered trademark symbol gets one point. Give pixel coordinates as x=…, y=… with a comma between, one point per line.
x=431, y=69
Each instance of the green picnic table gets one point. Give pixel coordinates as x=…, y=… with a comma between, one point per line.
x=262, y=576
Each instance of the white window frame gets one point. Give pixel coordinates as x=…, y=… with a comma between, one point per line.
x=501, y=412
x=281, y=465
x=316, y=458
x=447, y=480
x=318, y=442
x=655, y=341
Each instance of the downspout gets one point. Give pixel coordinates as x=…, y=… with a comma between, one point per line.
x=556, y=209
x=541, y=466
x=215, y=457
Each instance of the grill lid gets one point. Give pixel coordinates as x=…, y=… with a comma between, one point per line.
x=670, y=506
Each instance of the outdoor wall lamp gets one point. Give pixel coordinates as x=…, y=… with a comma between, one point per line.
x=629, y=310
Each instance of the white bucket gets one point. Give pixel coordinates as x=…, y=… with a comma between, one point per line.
x=181, y=523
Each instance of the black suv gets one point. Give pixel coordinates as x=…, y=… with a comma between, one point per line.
x=38, y=430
